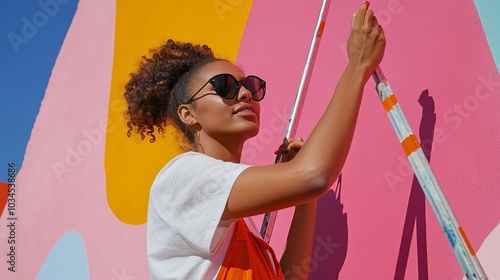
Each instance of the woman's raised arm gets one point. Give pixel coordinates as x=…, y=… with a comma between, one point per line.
x=262, y=189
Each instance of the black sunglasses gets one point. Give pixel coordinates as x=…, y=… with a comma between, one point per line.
x=227, y=87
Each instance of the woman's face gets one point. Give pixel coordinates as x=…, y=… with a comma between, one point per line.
x=224, y=119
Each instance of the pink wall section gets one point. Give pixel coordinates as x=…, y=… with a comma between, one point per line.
x=375, y=224
x=436, y=53
x=68, y=135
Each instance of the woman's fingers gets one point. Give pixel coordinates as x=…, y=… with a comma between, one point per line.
x=290, y=148
x=374, y=21
x=296, y=144
x=369, y=15
x=360, y=15
x=292, y=144
x=366, y=43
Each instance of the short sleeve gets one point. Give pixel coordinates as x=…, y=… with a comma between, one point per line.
x=197, y=187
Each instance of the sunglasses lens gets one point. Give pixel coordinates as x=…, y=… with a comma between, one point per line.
x=228, y=87
x=256, y=86
x=225, y=85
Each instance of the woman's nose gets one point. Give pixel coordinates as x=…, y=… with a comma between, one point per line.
x=244, y=93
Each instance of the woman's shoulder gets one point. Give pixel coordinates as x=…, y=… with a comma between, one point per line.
x=189, y=158
x=193, y=166
x=188, y=162
x=186, y=155
x=175, y=170
x=196, y=160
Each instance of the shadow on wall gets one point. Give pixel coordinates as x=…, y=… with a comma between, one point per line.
x=415, y=213
x=331, y=236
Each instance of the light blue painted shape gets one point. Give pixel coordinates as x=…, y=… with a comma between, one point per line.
x=489, y=12
x=67, y=260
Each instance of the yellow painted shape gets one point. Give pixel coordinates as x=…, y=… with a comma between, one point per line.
x=131, y=164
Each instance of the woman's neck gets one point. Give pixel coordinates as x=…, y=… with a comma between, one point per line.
x=228, y=150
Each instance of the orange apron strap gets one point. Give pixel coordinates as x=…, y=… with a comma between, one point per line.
x=247, y=257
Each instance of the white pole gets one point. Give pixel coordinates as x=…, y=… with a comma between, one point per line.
x=270, y=218
x=461, y=247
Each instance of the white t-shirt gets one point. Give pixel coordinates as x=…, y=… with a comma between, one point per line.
x=186, y=238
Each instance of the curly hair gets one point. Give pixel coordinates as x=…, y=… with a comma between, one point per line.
x=159, y=86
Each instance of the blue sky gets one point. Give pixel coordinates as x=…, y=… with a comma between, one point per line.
x=32, y=33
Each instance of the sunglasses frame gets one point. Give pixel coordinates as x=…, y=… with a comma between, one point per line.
x=239, y=83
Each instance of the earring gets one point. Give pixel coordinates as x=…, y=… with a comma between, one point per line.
x=185, y=144
x=197, y=143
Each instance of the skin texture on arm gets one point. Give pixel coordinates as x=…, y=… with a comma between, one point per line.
x=300, y=240
x=301, y=236
x=268, y=188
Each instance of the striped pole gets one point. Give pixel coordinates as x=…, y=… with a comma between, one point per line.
x=266, y=229
x=454, y=232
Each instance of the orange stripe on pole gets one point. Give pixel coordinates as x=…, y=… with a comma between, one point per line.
x=389, y=102
x=320, y=30
x=410, y=144
x=462, y=232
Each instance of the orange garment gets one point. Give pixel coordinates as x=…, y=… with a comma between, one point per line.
x=247, y=257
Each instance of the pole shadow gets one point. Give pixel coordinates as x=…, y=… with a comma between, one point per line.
x=415, y=213
x=331, y=236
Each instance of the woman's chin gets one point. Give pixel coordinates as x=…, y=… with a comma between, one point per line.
x=254, y=131
x=251, y=132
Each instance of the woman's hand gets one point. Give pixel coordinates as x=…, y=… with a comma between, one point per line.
x=262, y=189
x=290, y=148
x=366, y=43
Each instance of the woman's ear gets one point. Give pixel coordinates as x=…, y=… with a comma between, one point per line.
x=186, y=115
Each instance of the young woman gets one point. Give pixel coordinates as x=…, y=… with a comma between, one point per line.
x=199, y=202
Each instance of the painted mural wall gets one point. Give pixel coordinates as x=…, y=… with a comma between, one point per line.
x=74, y=188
